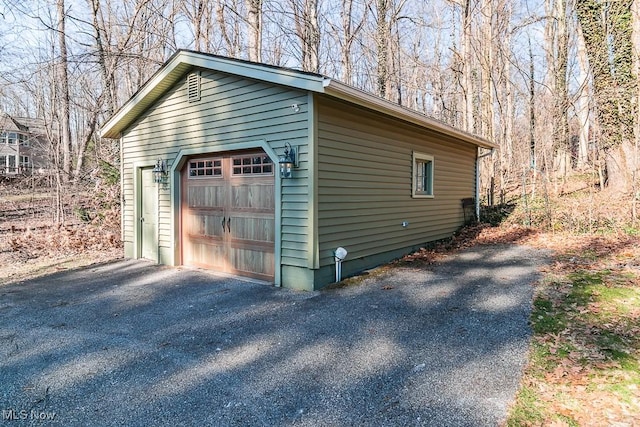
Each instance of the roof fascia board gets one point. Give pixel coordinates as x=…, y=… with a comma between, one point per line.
x=356, y=96
x=280, y=76
x=256, y=71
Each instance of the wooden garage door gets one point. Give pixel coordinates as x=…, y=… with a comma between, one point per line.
x=228, y=211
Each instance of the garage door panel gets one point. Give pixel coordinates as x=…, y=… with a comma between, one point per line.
x=204, y=224
x=253, y=228
x=253, y=263
x=205, y=253
x=259, y=196
x=228, y=215
x=208, y=196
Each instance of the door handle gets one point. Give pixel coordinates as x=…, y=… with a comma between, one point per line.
x=229, y=224
x=141, y=219
x=223, y=218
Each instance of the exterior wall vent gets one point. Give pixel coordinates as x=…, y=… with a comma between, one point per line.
x=193, y=87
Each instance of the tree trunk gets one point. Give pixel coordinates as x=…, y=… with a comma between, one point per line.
x=305, y=17
x=582, y=107
x=560, y=95
x=349, y=34
x=467, y=68
x=63, y=94
x=382, y=47
x=608, y=41
x=254, y=22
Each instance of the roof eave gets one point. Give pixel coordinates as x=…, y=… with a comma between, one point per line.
x=364, y=99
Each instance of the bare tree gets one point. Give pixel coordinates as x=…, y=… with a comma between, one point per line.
x=63, y=97
x=307, y=30
x=254, y=24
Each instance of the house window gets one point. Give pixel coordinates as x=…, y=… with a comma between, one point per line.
x=423, y=165
x=11, y=164
x=12, y=138
x=205, y=168
x=193, y=87
x=252, y=165
x=24, y=161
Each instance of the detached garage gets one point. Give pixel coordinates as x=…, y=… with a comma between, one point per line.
x=262, y=171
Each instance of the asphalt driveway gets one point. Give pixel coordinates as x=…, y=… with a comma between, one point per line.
x=129, y=343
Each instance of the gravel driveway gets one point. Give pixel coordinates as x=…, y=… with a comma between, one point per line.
x=129, y=343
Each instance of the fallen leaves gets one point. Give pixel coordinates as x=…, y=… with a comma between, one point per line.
x=589, y=371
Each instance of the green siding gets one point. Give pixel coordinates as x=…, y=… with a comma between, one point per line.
x=364, y=186
x=231, y=110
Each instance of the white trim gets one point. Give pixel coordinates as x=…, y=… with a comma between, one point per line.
x=176, y=196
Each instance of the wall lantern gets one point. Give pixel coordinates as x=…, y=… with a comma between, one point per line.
x=288, y=161
x=160, y=173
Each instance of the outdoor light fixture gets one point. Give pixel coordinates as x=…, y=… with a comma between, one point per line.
x=160, y=172
x=288, y=161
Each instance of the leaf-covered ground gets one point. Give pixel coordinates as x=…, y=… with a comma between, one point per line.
x=585, y=356
x=31, y=245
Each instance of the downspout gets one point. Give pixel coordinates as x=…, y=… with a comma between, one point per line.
x=478, y=157
x=122, y=198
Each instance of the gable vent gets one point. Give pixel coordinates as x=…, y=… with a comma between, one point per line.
x=193, y=87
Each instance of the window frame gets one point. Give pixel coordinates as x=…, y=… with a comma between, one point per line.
x=252, y=168
x=212, y=164
x=422, y=158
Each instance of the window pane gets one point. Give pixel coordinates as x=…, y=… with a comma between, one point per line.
x=428, y=172
x=423, y=175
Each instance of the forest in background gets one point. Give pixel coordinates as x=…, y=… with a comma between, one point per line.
x=553, y=82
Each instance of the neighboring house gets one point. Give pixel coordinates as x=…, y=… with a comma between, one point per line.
x=22, y=145
x=373, y=177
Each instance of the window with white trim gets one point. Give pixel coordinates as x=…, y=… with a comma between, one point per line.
x=423, y=166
